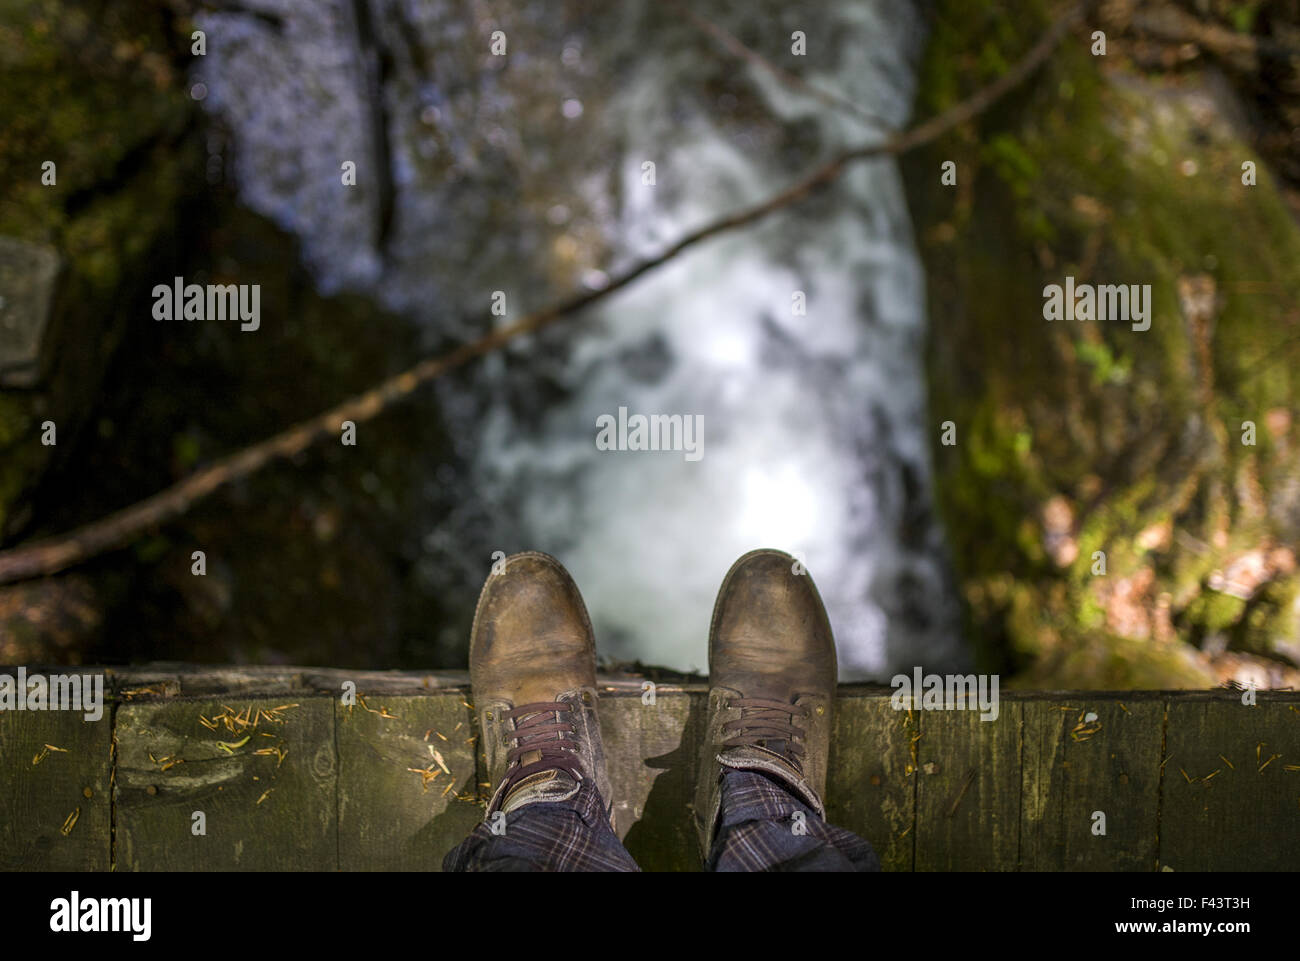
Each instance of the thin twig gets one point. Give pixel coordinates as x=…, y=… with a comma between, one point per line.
x=1177, y=26
x=732, y=45
x=53, y=554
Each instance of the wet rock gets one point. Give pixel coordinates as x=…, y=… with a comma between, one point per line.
x=28, y=274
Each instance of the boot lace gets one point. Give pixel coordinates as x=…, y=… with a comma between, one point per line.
x=540, y=729
x=762, y=720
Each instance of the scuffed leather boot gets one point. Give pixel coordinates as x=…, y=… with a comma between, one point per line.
x=532, y=666
x=772, y=675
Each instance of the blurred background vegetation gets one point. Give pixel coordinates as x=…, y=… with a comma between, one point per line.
x=1073, y=438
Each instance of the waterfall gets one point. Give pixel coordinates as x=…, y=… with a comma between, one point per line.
x=799, y=341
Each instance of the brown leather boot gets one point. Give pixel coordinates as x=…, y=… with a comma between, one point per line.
x=532, y=666
x=772, y=675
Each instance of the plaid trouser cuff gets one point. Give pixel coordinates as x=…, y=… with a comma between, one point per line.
x=762, y=827
x=571, y=835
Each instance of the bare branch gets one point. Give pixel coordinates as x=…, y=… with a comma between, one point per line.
x=1173, y=25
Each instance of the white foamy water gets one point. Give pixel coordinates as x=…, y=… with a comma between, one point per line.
x=815, y=429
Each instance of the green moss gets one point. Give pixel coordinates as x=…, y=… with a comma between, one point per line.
x=1109, y=662
x=1082, y=173
x=1215, y=612
x=1273, y=613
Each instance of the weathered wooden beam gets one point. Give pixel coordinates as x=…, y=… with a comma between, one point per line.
x=652, y=753
x=1091, y=783
x=869, y=789
x=968, y=786
x=408, y=780
x=261, y=772
x=1184, y=780
x=55, y=784
x=1231, y=790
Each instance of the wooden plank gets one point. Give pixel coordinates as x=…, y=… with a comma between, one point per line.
x=651, y=753
x=263, y=812
x=1090, y=756
x=392, y=818
x=1228, y=804
x=46, y=792
x=869, y=789
x=968, y=790
x=250, y=680
x=967, y=794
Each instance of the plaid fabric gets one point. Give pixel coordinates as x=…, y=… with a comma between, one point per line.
x=569, y=835
x=756, y=832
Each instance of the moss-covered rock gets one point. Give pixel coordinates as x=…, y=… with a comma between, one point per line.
x=1120, y=502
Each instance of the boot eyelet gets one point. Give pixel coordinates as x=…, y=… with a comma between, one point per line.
x=488, y=715
x=820, y=710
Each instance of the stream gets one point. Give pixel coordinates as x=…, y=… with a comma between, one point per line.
x=798, y=343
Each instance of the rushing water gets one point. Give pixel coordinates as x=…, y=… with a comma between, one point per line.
x=525, y=174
